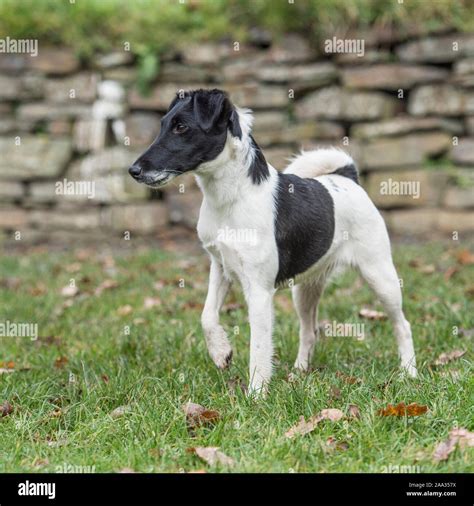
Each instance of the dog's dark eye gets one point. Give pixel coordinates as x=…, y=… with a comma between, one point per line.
x=179, y=128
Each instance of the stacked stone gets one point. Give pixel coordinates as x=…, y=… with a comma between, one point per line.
x=404, y=109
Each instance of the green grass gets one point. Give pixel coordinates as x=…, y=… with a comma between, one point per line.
x=162, y=363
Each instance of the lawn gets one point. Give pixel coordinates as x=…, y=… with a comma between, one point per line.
x=129, y=336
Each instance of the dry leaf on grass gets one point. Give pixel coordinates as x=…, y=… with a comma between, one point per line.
x=150, y=302
x=105, y=285
x=354, y=411
x=10, y=283
x=38, y=463
x=69, y=291
x=60, y=362
x=333, y=445
x=465, y=257
x=402, y=409
x=457, y=437
x=371, y=314
x=466, y=332
x=124, y=310
x=335, y=393
x=450, y=272
x=212, y=455
x=421, y=267
x=350, y=380
x=74, y=267
x=38, y=290
x=7, y=367
x=304, y=427
x=197, y=415
x=120, y=411
x=6, y=409
x=446, y=357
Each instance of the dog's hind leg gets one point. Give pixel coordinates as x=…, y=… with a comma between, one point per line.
x=380, y=274
x=305, y=299
x=218, y=344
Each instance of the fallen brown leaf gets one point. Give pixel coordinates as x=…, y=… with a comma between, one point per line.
x=446, y=357
x=422, y=267
x=69, y=291
x=150, y=302
x=401, y=409
x=197, y=415
x=466, y=332
x=304, y=427
x=38, y=463
x=120, y=411
x=6, y=409
x=354, y=411
x=38, y=290
x=10, y=283
x=450, y=272
x=335, y=392
x=457, y=437
x=125, y=310
x=74, y=267
x=350, y=380
x=8, y=365
x=333, y=445
x=212, y=456
x=60, y=362
x=371, y=314
x=107, y=284
x=465, y=257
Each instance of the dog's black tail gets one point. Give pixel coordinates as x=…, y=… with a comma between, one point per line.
x=324, y=161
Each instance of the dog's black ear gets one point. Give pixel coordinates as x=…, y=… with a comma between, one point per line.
x=212, y=109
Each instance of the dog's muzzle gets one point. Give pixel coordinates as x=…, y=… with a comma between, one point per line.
x=154, y=181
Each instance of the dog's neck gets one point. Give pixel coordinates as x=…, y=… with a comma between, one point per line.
x=226, y=180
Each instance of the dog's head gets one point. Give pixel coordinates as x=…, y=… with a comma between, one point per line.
x=193, y=131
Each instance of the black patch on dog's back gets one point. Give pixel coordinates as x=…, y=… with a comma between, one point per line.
x=258, y=170
x=349, y=171
x=304, y=224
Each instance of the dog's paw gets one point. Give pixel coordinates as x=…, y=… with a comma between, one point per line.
x=222, y=359
x=219, y=346
x=411, y=370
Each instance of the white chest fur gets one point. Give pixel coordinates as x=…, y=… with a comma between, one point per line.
x=236, y=225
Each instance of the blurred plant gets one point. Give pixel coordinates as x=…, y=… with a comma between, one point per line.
x=148, y=69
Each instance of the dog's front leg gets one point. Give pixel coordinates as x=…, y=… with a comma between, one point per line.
x=218, y=345
x=260, y=306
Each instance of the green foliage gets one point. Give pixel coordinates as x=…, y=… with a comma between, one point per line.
x=148, y=68
x=156, y=25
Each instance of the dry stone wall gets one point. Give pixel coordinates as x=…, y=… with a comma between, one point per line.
x=68, y=131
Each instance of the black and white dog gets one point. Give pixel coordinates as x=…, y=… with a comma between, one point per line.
x=308, y=221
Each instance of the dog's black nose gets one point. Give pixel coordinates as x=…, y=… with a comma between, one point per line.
x=135, y=170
